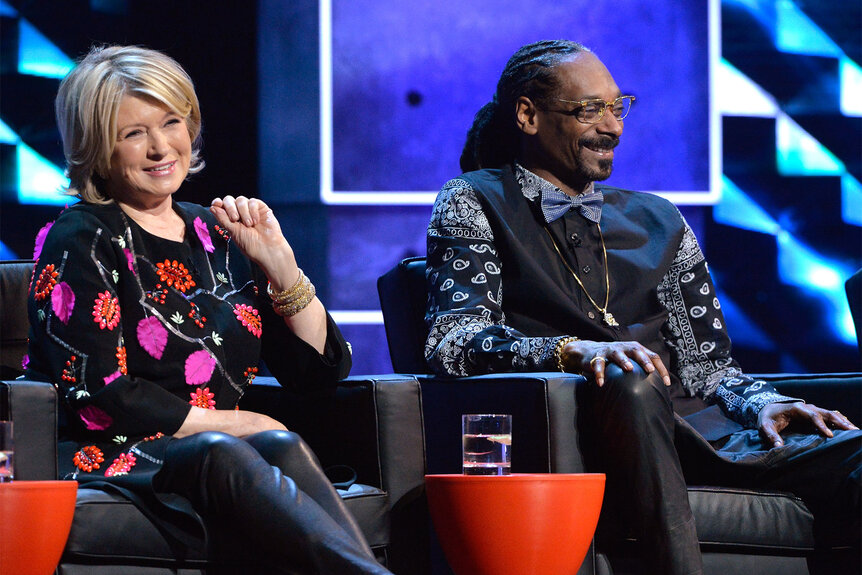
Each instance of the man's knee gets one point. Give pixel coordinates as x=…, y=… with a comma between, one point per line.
x=636, y=392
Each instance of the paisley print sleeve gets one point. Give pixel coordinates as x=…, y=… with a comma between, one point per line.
x=467, y=331
x=696, y=333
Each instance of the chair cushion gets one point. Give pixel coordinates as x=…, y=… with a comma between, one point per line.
x=751, y=519
x=107, y=528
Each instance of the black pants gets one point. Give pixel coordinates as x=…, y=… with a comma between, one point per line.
x=268, y=495
x=648, y=454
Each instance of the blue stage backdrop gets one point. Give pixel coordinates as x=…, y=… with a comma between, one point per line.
x=348, y=116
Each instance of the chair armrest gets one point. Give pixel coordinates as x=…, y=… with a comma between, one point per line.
x=842, y=391
x=543, y=408
x=32, y=407
x=371, y=423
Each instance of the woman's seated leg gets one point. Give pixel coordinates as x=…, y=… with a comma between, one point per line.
x=236, y=490
x=287, y=451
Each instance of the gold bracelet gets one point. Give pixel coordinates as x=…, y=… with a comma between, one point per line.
x=558, y=350
x=290, y=294
x=304, y=294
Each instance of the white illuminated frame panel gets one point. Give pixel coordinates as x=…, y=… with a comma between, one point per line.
x=330, y=196
x=426, y=198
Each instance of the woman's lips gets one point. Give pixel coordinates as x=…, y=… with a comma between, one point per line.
x=162, y=169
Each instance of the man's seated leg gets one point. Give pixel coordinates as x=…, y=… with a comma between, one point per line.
x=629, y=431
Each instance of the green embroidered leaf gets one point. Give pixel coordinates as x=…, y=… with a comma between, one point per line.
x=120, y=439
x=216, y=338
x=115, y=275
x=221, y=277
x=177, y=318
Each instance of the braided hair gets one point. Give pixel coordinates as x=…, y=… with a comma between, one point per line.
x=492, y=140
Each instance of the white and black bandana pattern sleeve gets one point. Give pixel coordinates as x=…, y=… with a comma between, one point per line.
x=467, y=331
x=698, y=338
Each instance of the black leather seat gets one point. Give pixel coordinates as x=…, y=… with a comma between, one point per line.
x=371, y=424
x=741, y=531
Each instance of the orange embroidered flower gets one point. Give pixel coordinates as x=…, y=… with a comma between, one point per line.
x=46, y=282
x=175, y=274
x=121, y=465
x=203, y=398
x=106, y=311
x=249, y=317
x=121, y=360
x=88, y=458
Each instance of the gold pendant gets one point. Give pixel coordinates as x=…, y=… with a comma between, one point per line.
x=609, y=319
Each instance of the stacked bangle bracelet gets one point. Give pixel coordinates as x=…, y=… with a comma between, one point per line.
x=558, y=350
x=293, y=300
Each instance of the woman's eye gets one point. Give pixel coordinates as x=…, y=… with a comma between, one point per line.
x=173, y=121
x=132, y=134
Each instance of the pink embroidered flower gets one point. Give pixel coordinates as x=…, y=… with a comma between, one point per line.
x=106, y=311
x=94, y=418
x=204, y=235
x=63, y=301
x=109, y=378
x=121, y=465
x=249, y=318
x=203, y=398
x=25, y=361
x=199, y=367
x=130, y=259
x=40, y=240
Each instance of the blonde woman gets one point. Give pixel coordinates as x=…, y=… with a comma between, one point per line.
x=150, y=315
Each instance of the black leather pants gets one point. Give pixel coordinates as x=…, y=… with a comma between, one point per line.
x=266, y=495
x=629, y=426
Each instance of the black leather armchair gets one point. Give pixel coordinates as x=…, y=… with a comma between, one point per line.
x=372, y=424
x=741, y=531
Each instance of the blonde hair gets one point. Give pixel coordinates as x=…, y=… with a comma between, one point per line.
x=89, y=99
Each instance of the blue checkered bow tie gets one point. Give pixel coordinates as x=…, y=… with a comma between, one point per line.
x=555, y=205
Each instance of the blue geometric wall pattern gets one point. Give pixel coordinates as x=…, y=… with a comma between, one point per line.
x=792, y=139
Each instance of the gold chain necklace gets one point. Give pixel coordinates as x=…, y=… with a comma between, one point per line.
x=606, y=315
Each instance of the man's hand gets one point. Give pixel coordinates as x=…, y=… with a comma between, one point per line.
x=593, y=357
x=775, y=417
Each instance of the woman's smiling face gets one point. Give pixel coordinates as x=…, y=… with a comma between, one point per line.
x=151, y=158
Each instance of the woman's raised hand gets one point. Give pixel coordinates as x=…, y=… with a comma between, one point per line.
x=256, y=231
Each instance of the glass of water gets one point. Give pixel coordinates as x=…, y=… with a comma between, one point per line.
x=486, y=444
x=7, y=452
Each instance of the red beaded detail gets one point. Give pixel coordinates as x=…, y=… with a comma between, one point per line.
x=249, y=374
x=225, y=235
x=46, y=282
x=175, y=274
x=68, y=374
x=203, y=398
x=195, y=315
x=159, y=435
x=157, y=295
x=88, y=458
x=106, y=311
x=121, y=465
x=121, y=360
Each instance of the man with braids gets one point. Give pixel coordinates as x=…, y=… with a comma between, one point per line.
x=534, y=267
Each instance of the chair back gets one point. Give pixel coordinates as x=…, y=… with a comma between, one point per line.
x=853, y=287
x=403, y=296
x=14, y=325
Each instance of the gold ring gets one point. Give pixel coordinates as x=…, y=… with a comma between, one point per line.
x=595, y=359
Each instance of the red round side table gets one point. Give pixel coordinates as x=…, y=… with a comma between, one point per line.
x=539, y=524
x=35, y=519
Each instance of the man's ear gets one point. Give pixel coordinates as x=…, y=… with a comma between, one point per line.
x=525, y=116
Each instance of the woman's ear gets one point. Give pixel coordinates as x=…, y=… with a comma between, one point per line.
x=525, y=115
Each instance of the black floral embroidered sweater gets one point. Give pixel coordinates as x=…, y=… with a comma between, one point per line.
x=500, y=297
x=135, y=329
